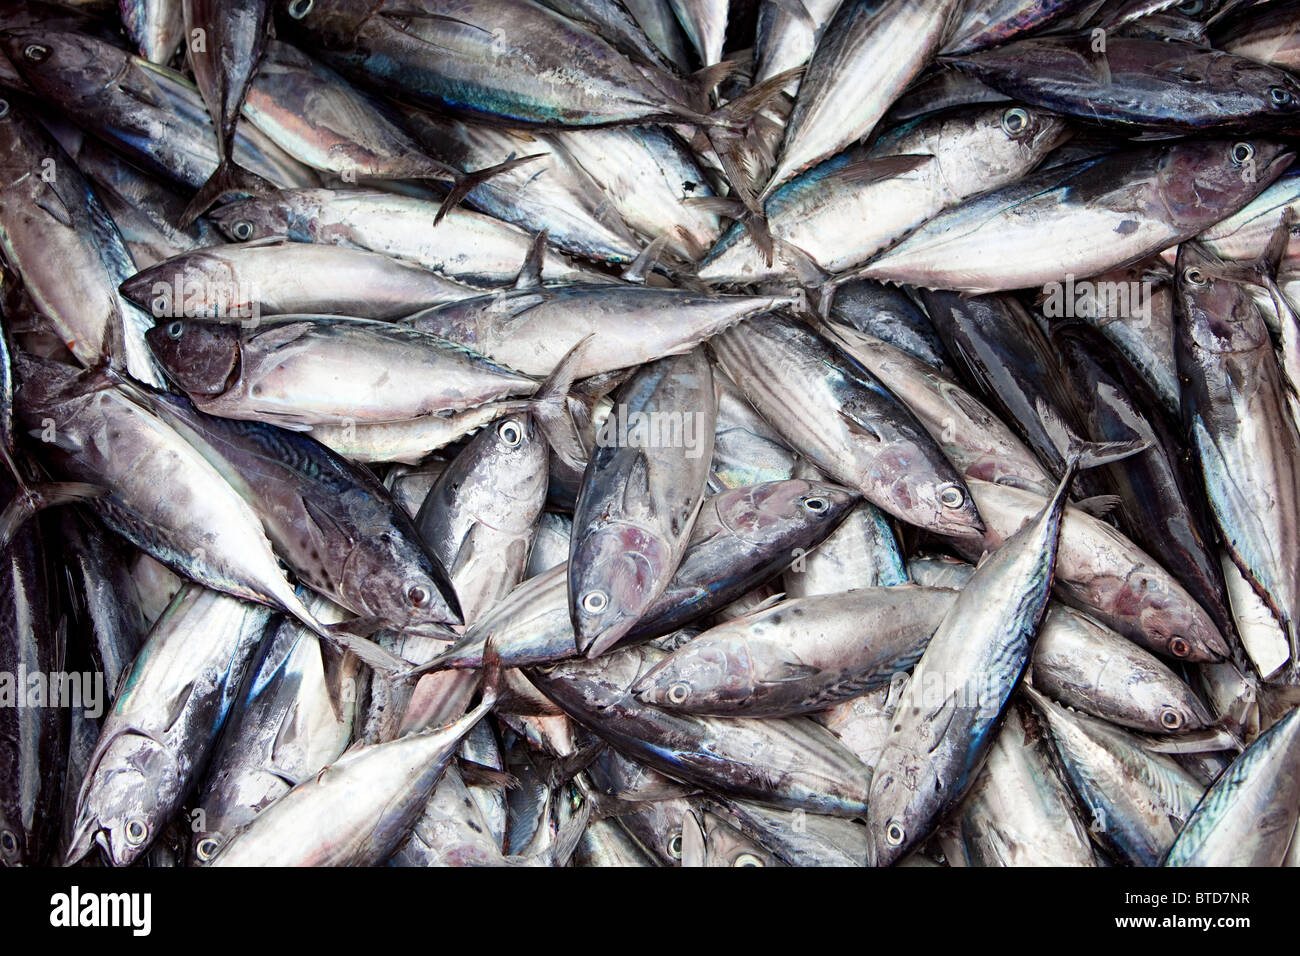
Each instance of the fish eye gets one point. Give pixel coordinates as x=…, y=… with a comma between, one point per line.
x=1191, y=8
x=952, y=497
x=300, y=8
x=1170, y=719
x=417, y=596
x=175, y=329
x=747, y=859
x=4, y=108
x=1242, y=153
x=242, y=230
x=36, y=52
x=1193, y=276
x=1179, y=647
x=894, y=833
x=8, y=842
x=1280, y=96
x=675, y=845
x=815, y=505
x=593, y=602
x=207, y=848
x=137, y=831
x=510, y=433
x=679, y=691
x=1015, y=121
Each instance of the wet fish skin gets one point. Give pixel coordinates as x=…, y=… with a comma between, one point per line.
x=359, y=809
x=330, y=521
x=889, y=314
x=1019, y=812
x=202, y=529
x=36, y=737
x=837, y=414
x=802, y=764
x=282, y=729
x=480, y=517
x=468, y=246
x=1116, y=210
x=633, y=518
x=873, y=45
x=1001, y=349
x=1132, y=801
x=847, y=209
x=304, y=371
x=530, y=329
x=164, y=723
x=56, y=235
x=941, y=736
x=449, y=59
x=1246, y=815
x=1162, y=507
x=153, y=114
x=243, y=282
x=740, y=539
x=1235, y=409
x=1108, y=577
x=974, y=439
x=1164, y=85
x=156, y=26
x=799, y=655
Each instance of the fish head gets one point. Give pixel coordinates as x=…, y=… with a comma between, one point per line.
x=1201, y=183
x=65, y=67
x=201, y=357
x=906, y=793
x=939, y=500
x=398, y=582
x=699, y=673
x=762, y=513
x=131, y=791
x=208, y=283
x=616, y=570
x=1013, y=139
x=1271, y=94
x=1180, y=628
x=333, y=25
x=249, y=219
x=1219, y=314
x=516, y=456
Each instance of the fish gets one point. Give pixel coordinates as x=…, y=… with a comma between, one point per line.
x=947, y=719
x=226, y=43
x=1245, y=439
x=301, y=371
x=1116, y=209
x=242, y=282
x=162, y=726
x=838, y=415
x=803, y=765
x=1134, y=802
x=284, y=725
x=799, y=655
x=1246, y=815
x=1158, y=85
x=530, y=329
x=156, y=26
x=358, y=809
x=874, y=45
x=641, y=492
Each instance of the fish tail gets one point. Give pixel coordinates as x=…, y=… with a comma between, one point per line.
x=228, y=178
x=465, y=183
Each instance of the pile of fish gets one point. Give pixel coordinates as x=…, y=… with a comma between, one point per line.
x=650, y=432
